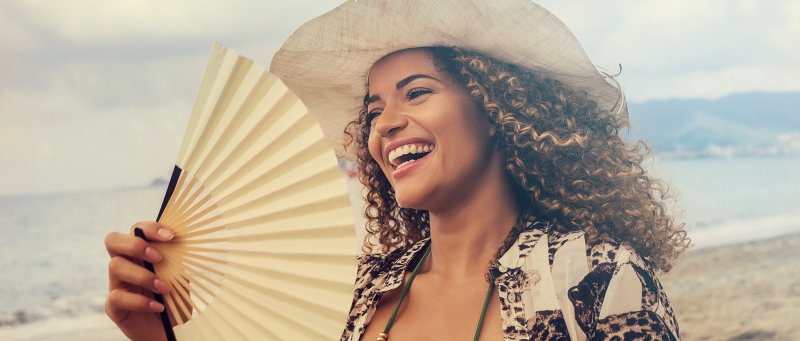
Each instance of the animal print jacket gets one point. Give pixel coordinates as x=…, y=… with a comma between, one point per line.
x=552, y=286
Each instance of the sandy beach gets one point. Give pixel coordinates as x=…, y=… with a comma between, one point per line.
x=746, y=291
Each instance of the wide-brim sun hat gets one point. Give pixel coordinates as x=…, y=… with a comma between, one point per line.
x=326, y=60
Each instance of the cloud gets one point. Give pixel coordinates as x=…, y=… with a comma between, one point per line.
x=97, y=21
x=657, y=41
x=95, y=94
x=716, y=83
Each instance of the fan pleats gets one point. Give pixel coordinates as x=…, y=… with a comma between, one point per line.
x=264, y=243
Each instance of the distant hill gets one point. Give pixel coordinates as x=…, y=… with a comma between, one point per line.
x=752, y=121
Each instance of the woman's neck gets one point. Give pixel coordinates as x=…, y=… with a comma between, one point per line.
x=465, y=237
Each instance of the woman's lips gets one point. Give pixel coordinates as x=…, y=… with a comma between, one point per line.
x=406, y=168
x=408, y=149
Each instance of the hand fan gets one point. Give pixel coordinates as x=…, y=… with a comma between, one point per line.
x=264, y=243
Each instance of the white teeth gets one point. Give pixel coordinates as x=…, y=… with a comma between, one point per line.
x=405, y=163
x=408, y=149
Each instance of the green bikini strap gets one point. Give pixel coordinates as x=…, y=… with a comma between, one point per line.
x=384, y=335
x=405, y=290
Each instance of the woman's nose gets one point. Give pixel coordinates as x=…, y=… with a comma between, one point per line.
x=390, y=121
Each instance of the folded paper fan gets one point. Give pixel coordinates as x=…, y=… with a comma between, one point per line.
x=264, y=245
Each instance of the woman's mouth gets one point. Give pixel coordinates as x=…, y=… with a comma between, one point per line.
x=405, y=155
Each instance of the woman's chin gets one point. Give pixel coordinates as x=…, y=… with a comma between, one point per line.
x=405, y=200
x=408, y=205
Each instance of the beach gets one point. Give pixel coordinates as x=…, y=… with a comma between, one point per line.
x=744, y=291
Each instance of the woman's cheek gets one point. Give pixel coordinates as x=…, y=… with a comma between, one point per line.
x=374, y=149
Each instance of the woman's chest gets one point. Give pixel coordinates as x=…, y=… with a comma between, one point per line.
x=440, y=314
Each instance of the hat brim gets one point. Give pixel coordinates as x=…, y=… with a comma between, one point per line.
x=325, y=61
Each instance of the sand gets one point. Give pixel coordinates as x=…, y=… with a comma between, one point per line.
x=96, y=327
x=746, y=291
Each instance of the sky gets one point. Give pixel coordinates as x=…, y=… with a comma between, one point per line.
x=95, y=95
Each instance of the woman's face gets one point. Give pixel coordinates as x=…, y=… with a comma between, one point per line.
x=430, y=139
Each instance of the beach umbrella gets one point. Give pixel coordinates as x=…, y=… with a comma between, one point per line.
x=264, y=243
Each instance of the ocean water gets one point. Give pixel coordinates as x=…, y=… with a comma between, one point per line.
x=53, y=261
x=731, y=200
x=52, y=256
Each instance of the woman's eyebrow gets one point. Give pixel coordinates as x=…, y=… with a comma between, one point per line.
x=371, y=99
x=403, y=82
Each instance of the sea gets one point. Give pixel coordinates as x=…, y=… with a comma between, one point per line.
x=53, y=261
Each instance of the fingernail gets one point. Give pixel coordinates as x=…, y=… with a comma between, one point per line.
x=161, y=286
x=156, y=307
x=165, y=233
x=152, y=255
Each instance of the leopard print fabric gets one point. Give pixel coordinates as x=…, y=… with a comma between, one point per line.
x=587, y=296
x=635, y=325
x=654, y=298
x=377, y=273
x=596, y=303
x=550, y=326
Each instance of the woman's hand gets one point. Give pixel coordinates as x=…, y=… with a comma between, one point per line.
x=130, y=302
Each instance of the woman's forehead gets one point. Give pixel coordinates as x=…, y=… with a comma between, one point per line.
x=400, y=64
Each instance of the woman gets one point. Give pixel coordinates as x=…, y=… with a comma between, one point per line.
x=487, y=185
x=500, y=196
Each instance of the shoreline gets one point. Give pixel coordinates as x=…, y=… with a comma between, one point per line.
x=748, y=291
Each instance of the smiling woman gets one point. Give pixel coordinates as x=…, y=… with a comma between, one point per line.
x=483, y=172
x=501, y=201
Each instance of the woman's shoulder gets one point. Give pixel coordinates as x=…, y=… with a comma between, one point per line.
x=615, y=291
x=372, y=264
x=597, y=251
x=379, y=265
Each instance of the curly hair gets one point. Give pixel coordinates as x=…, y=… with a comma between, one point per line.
x=564, y=155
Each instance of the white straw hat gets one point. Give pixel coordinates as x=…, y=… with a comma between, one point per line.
x=326, y=60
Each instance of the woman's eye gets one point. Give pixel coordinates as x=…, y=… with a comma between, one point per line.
x=371, y=116
x=416, y=92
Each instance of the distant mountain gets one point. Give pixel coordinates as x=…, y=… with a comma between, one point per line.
x=755, y=122
x=158, y=182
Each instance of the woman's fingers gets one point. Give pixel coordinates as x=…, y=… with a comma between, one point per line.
x=119, y=244
x=121, y=269
x=132, y=246
x=153, y=231
x=130, y=303
x=121, y=301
